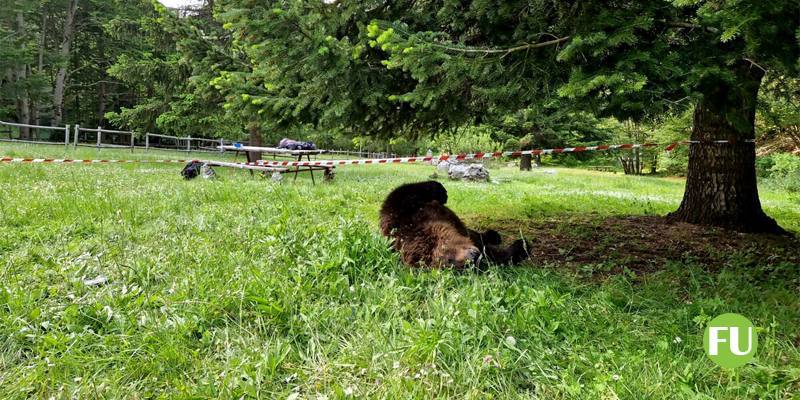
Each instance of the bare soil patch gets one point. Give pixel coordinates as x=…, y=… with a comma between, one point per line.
x=644, y=243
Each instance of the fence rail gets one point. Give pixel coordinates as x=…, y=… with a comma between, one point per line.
x=109, y=138
x=104, y=138
x=31, y=133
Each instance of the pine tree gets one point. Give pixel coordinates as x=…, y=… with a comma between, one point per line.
x=626, y=59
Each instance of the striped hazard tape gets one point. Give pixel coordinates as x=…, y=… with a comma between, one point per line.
x=69, y=161
x=369, y=161
x=445, y=157
x=478, y=155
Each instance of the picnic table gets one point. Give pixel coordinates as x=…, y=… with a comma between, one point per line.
x=276, y=152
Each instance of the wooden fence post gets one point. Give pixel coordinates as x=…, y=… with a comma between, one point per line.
x=99, y=134
x=77, y=132
x=66, y=136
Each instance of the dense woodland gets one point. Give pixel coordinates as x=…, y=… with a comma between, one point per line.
x=410, y=76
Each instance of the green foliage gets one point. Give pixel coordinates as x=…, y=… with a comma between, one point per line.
x=176, y=63
x=554, y=127
x=465, y=140
x=785, y=165
x=302, y=68
x=631, y=60
x=778, y=113
x=764, y=165
x=21, y=79
x=782, y=171
x=673, y=128
x=409, y=69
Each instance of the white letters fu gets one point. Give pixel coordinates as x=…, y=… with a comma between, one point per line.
x=714, y=340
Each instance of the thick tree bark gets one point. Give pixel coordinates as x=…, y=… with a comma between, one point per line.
x=61, y=75
x=721, y=180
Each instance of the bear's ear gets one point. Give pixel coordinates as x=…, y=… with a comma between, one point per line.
x=436, y=191
x=491, y=236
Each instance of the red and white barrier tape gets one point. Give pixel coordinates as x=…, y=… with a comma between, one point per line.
x=478, y=155
x=397, y=160
x=69, y=161
x=444, y=157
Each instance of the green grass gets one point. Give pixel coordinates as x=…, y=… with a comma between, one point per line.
x=244, y=288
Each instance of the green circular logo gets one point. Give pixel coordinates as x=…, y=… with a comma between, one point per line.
x=730, y=340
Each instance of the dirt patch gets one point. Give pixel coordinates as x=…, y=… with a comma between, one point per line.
x=644, y=243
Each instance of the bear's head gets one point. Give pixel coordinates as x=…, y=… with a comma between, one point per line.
x=453, y=249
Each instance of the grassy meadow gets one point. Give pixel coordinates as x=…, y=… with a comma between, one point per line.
x=244, y=288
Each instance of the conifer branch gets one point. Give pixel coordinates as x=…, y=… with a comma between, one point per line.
x=526, y=46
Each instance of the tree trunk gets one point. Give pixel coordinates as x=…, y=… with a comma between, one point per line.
x=794, y=134
x=654, y=165
x=21, y=76
x=101, y=104
x=625, y=163
x=255, y=140
x=721, y=179
x=61, y=75
x=42, y=38
x=525, y=162
x=102, y=89
x=40, y=65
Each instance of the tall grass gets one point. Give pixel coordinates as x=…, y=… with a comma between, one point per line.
x=242, y=287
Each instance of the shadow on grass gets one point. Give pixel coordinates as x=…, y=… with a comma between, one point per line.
x=642, y=244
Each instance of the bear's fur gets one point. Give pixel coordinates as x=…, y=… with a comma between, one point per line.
x=425, y=232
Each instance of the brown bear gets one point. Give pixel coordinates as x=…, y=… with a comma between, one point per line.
x=425, y=232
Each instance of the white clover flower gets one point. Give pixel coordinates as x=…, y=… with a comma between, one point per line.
x=511, y=341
